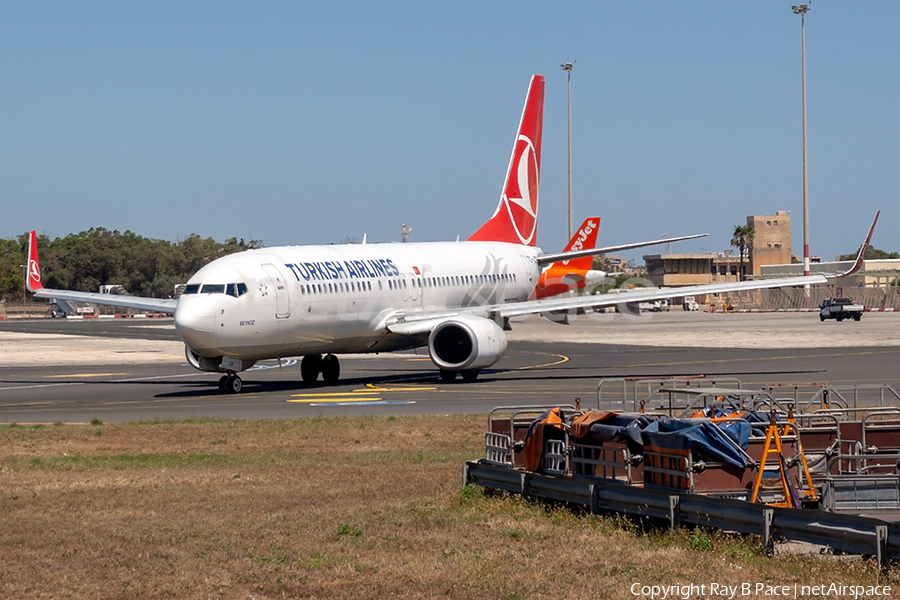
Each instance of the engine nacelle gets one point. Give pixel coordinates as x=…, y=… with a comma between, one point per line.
x=216, y=364
x=466, y=343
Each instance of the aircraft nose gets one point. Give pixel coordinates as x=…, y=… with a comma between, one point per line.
x=195, y=320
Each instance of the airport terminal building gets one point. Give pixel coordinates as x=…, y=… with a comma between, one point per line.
x=769, y=257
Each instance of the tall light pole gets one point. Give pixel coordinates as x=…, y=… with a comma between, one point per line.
x=801, y=10
x=567, y=67
x=24, y=283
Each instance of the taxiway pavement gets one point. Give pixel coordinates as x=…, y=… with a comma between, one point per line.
x=130, y=370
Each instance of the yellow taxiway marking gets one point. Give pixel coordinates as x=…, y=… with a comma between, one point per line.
x=367, y=394
x=324, y=399
x=329, y=394
x=398, y=387
x=84, y=375
x=561, y=360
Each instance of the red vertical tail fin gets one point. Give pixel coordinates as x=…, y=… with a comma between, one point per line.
x=515, y=219
x=34, y=268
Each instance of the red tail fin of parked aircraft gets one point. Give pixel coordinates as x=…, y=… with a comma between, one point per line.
x=34, y=270
x=565, y=275
x=515, y=219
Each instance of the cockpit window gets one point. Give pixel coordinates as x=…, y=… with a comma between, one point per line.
x=232, y=289
x=236, y=289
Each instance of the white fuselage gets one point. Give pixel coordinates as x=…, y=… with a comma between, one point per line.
x=299, y=300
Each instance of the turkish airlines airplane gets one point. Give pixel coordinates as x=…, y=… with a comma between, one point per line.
x=455, y=298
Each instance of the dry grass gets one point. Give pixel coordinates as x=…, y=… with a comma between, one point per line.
x=325, y=508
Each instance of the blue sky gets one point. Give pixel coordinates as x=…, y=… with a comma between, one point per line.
x=306, y=123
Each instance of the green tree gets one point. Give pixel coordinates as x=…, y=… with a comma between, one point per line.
x=872, y=253
x=84, y=261
x=12, y=276
x=742, y=238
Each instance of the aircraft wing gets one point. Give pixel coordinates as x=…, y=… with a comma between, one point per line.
x=163, y=305
x=418, y=323
x=545, y=259
x=518, y=309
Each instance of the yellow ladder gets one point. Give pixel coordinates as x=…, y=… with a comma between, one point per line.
x=774, y=435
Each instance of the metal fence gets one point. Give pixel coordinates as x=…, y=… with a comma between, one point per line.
x=797, y=299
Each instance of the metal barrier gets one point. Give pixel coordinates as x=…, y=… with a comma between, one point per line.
x=844, y=533
x=632, y=394
x=625, y=394
x=847, y=533
x=498, y=448
x=555, y=457
x=823, y=395
x=862, y=483
x=870, y=429
x=612, y=461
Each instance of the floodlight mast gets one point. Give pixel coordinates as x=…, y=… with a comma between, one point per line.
x=802, y=10
x=567, y=67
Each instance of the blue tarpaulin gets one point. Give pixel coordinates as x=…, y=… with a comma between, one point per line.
x=722, y=442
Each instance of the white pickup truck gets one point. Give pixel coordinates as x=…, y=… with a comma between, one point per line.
x=840, y=309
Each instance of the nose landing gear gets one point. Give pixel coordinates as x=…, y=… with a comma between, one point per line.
x=230, y=384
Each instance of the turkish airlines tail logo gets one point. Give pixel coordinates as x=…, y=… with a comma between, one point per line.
x=34, y=269
x=515, y=219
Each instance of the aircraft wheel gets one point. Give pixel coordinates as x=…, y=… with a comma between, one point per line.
x=233, y=384
x=310, y=367
x=223, y=380
x=331, y=368
x=447, y=375
x=469, y=375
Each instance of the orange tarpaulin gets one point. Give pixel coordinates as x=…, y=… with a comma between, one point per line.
x=581, y=426
x=534, y=439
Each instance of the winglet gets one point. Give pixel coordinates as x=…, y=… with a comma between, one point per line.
x=862, y=252
x=34, y=268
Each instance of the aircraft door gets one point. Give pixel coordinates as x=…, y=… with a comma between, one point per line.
x=404, y=284
x=282, y=300
x=413, y=286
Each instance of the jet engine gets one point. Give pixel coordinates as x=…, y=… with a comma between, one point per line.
x=215, y=364
x=466, y=343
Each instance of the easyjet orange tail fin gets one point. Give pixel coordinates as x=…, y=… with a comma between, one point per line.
x=566, y=275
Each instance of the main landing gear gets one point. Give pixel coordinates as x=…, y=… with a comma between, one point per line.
x=313, y=364
x=468, y=375
x=230, y=384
